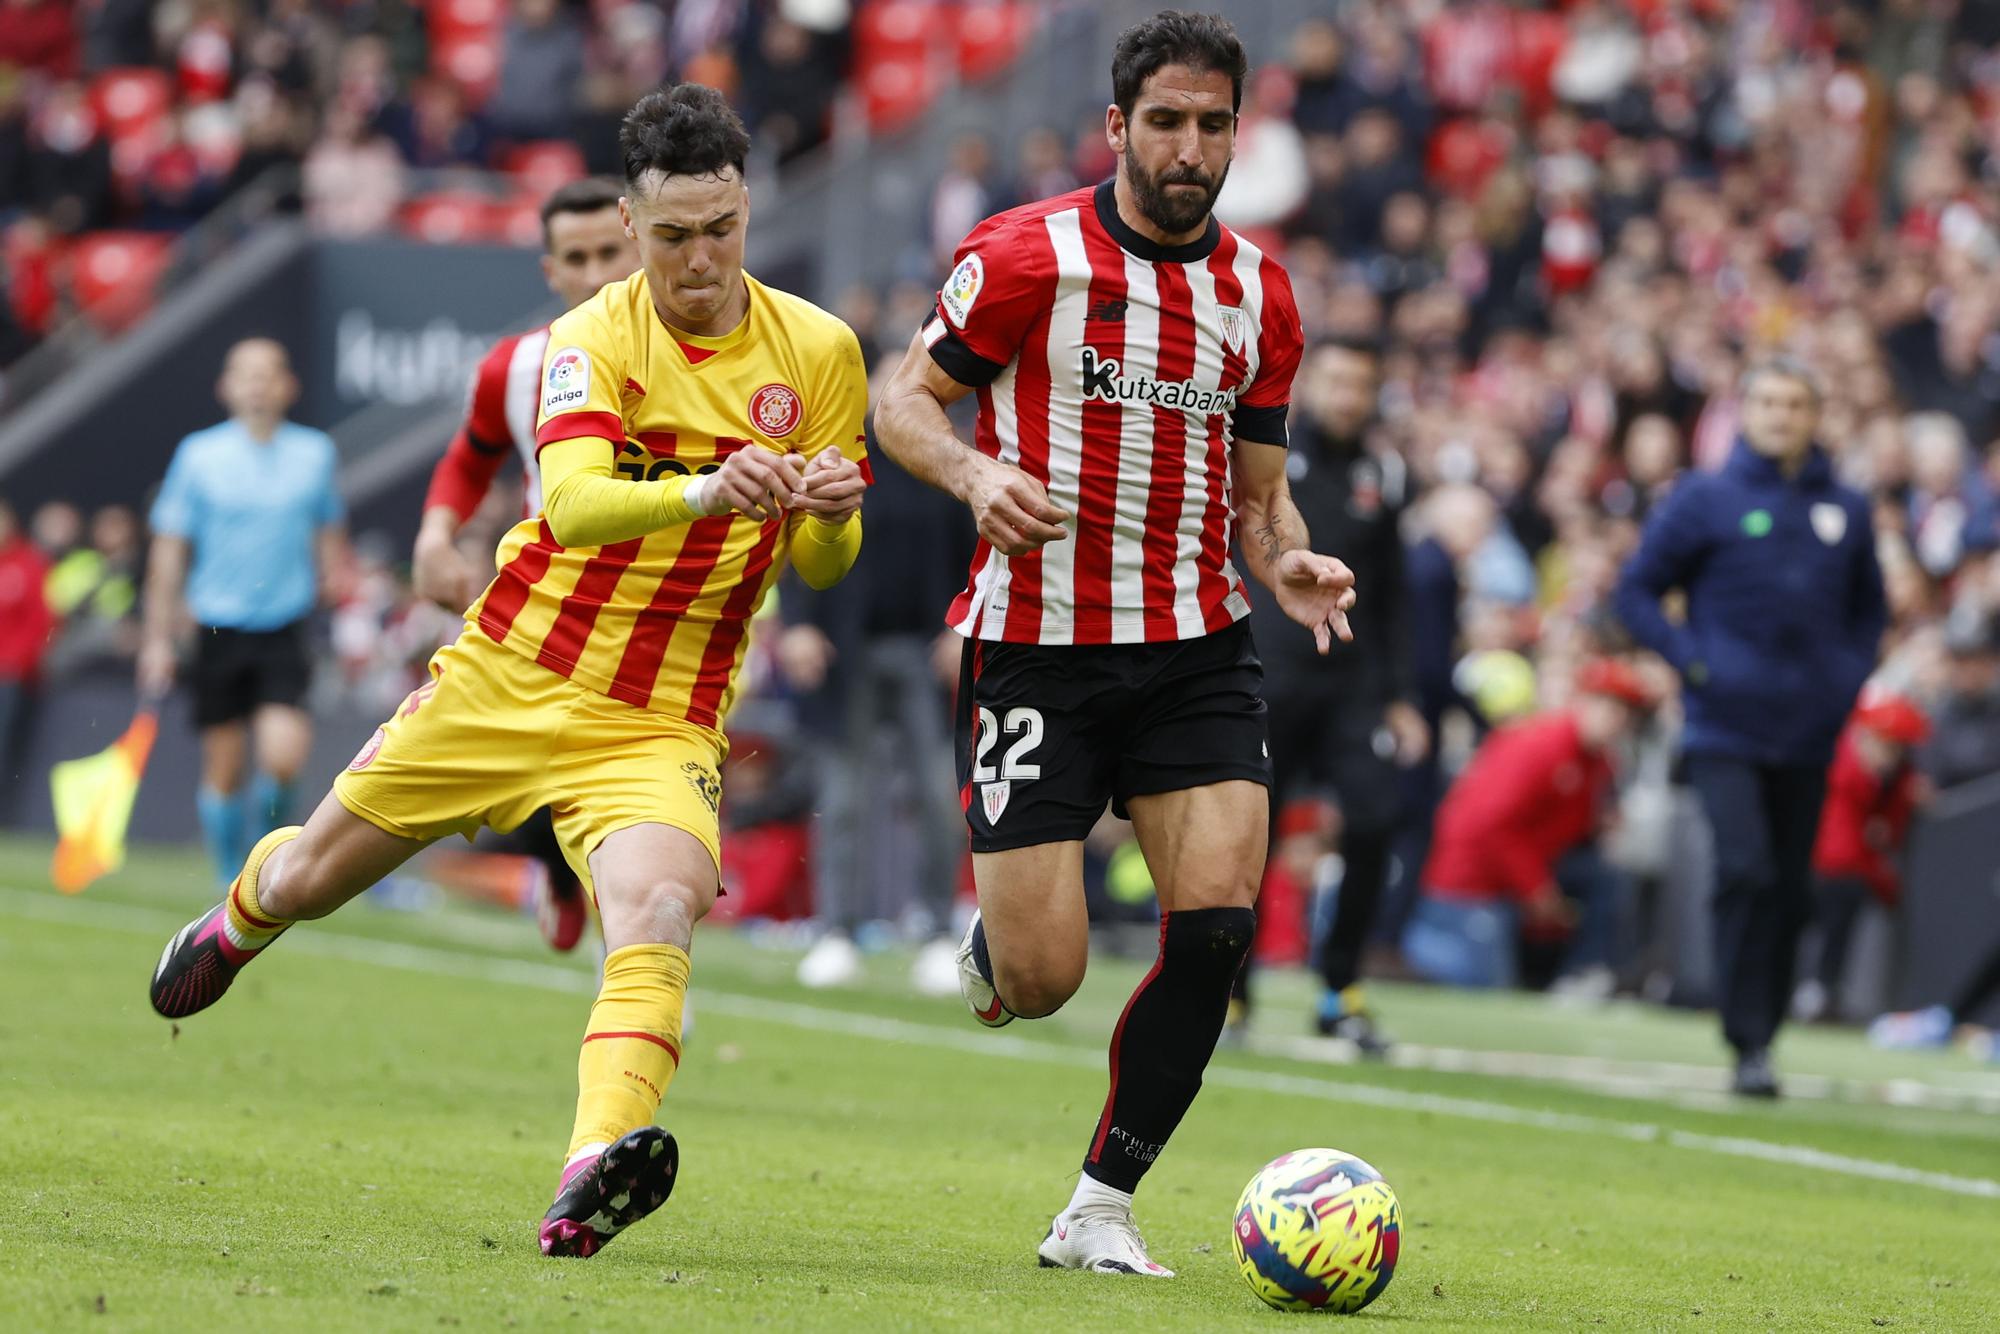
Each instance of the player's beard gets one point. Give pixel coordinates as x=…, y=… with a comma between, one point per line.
x=1172, y=213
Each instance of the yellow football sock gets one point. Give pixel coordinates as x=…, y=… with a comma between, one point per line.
x=250, y=925
x=633, y=1044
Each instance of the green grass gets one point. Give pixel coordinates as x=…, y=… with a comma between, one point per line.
x=358, y=1139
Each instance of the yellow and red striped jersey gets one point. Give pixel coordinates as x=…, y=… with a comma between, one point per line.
x=660, y=622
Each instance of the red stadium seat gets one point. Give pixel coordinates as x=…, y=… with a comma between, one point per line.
x=447, y=218
x=472, y=61
x=467, y=18
x=131, y=101
x=895, y=30
x=895, y=91
x=542, y=166
x=990, y=35
x=112, y=275
x=518, y=221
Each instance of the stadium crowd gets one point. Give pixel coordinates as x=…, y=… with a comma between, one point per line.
x=124, y=116
x=1556, y=233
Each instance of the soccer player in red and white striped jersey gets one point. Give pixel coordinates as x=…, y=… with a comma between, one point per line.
x=584, y=246
x=1133, y=361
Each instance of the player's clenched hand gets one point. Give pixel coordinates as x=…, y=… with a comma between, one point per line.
x=754, y=481
x=1316, y=591
x=833, y=486
x=1012, y=509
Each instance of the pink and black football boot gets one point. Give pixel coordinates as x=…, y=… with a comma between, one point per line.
x=198, y=965
x=602, y=1196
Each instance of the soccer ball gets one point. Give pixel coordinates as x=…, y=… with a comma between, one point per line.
x=1317, y=1230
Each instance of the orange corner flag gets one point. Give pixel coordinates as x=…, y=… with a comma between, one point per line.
x=93, y=800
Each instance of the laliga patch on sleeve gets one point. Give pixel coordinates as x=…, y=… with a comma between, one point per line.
x=566, y=383
x=962, y=288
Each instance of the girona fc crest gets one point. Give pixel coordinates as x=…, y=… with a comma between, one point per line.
x=366, y=755
x=776, y=410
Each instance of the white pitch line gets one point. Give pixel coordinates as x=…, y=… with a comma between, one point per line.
x=550, y=977
x=1651, y=1080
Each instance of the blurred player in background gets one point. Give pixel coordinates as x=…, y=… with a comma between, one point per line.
x=1134, y=361
x=246, y=526
x=697, y=429
x=584, y=247
x=1343, y=724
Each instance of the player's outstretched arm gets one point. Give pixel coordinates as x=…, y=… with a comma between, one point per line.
x=1012, y=509
x=585, y=506
x=1314, y=590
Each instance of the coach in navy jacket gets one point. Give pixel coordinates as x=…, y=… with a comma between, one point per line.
x=1784, y=615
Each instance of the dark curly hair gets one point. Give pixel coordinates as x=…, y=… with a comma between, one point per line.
x=686, y=130
x=1172, y=37
x=585, y=196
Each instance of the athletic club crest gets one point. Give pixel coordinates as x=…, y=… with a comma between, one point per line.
x=776, y=410
x=1830, y=522
x=994, y=797
x=1232, y=326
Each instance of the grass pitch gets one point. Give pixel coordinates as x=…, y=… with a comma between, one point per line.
x=365, y=1132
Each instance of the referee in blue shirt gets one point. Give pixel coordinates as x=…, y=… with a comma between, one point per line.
x=245, y=524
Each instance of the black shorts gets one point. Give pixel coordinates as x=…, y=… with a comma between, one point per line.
x=236, y=672
x=1047, y=733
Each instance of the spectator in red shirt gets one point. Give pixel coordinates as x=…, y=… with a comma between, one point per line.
x=1872, y=793
x=1535, y=795
x=25, y=625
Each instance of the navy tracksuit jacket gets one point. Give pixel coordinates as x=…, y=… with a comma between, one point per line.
x=1785, y=614
x=1785, y=606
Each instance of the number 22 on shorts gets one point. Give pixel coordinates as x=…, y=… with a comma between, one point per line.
x=1022, y=722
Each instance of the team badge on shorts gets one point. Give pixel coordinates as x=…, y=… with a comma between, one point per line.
x=776, y=410
x=705, y=784
x=993, y=796
x=366, y=755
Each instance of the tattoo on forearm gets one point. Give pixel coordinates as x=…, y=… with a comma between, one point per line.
x=1273, y=543
x=1275, y=535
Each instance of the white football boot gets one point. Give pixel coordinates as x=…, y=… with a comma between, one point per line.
x=980, y=997
x=1100, y=1238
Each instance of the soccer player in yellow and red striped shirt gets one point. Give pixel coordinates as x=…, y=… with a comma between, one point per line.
x=696, y=430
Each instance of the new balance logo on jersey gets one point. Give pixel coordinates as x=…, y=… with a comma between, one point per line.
x=1103, y=379
x=1107, y=311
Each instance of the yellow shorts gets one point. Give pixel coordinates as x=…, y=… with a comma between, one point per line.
x=492, y=737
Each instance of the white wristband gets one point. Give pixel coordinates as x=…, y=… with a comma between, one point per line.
x=695, y=495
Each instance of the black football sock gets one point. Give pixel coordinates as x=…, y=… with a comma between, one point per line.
x=1165, y=1037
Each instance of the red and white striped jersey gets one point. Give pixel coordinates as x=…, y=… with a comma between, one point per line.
x=1118, y=373
x=499, y=422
